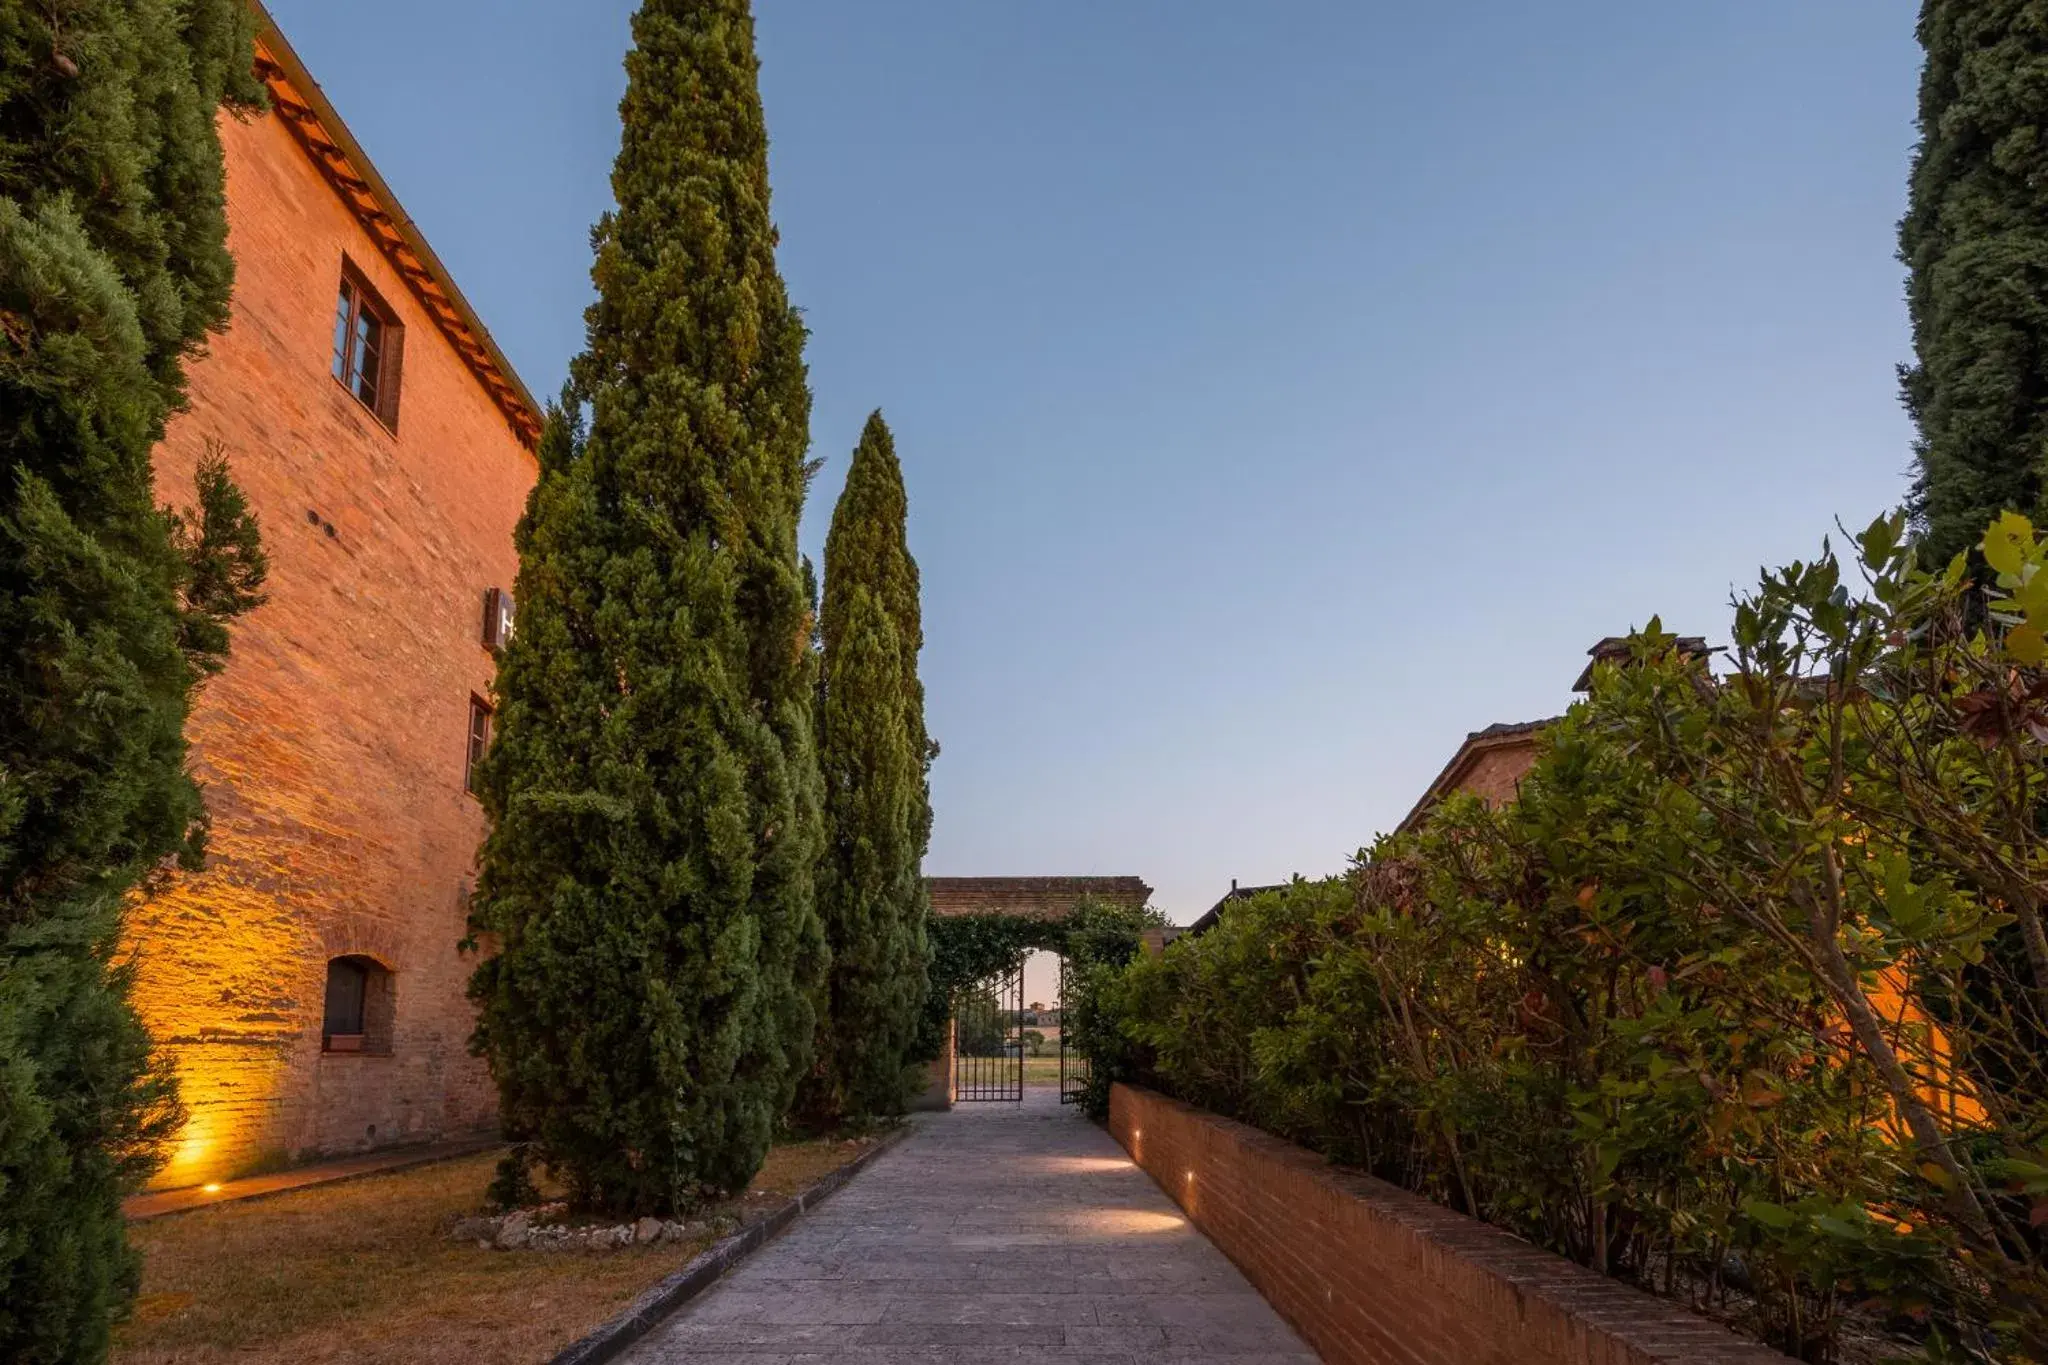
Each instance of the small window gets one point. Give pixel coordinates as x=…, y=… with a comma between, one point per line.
x=499, y=615
x=359, y=1007
x=479, y=742
x=367, y=341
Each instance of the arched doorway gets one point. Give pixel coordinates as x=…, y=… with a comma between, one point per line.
x=1001, y=1033
x=1010, y=1034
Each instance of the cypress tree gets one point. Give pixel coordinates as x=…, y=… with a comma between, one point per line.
x=647, y=885
x=113, y=269
x=1975, y=242
x=875, y=754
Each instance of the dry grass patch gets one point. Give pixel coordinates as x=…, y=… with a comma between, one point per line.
x=364, y=1272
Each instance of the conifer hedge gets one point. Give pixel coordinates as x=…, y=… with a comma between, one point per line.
x=646, y=898
x=875, y=754
x=1975, y=241
x=113, y=269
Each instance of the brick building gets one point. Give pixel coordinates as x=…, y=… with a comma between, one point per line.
x=1491, y=763
x=308, y=983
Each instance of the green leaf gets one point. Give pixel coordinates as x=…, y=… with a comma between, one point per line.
x=1878, y=541
x=1769, y=1214
x=2032, y=592
x=2007, y=542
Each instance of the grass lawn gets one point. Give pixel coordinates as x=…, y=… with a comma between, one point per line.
x=1042, y=1070
x=364, y=1272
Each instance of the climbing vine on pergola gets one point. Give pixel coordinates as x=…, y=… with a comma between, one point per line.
x=970, y=948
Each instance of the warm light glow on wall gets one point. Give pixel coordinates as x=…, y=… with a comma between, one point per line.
x=216, y=984
x=1924, y=1046
x=189, y=1157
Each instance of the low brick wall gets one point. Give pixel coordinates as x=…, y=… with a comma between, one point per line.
x=1372, y=1275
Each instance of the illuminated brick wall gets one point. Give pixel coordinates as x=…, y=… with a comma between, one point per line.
x=333, y=746
x=1372, y=1275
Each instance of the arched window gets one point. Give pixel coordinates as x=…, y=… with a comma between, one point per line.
x=359, y=1007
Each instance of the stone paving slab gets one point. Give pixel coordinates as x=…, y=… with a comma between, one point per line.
x=1000, y=1234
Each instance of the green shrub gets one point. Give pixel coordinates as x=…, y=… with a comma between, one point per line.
x=1098, y=940
x=1744, y=991
x=113, y=270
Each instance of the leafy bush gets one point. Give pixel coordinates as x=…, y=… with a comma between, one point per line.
x=1742, y=999
x=1100, y=941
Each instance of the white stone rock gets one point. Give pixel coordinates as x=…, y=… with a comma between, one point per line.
x=515, y=1231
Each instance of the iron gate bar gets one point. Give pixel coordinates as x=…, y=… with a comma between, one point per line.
x=988, y=1039
x=1073, y=1063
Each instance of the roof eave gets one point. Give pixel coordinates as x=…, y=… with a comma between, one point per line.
x=1477, y=743
x=517, y=400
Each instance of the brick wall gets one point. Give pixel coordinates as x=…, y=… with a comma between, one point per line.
x=333, y=746
x=1037, y=897
x=1370, y=1273
x=1496, y=774
x=938, y=1090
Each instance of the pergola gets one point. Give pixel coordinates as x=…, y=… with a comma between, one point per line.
x=991, y=923
x=1033, y=897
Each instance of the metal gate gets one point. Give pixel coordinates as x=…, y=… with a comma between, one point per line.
x=988, y=1039
x=1073, y=1062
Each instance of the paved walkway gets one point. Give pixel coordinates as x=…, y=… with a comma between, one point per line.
x=998, y=1235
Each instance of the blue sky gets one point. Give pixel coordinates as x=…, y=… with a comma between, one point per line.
x=1284, y=390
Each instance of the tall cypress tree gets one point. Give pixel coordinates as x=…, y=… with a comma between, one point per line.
x=647, y=885
x=875, y=755
x=1975, y=240
x=113, y=268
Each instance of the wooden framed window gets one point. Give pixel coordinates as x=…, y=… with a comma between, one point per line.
x=359, y=1007
x=479, y=741
x=500, y=614
x=368, y=346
